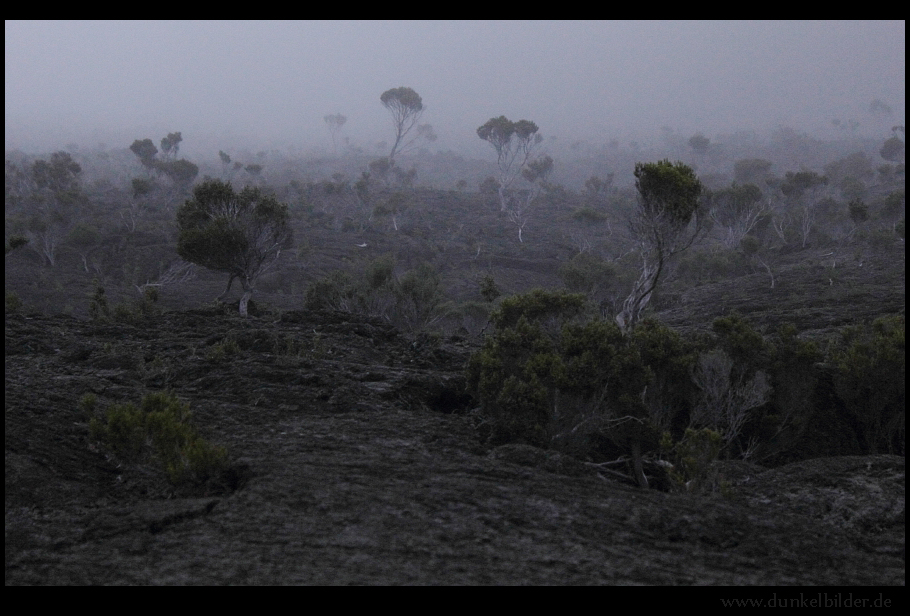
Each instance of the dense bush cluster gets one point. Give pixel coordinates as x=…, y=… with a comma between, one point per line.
x=551, y=376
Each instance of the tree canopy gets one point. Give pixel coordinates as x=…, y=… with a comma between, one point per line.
x=668, y=202
x=514, y=143
x=406, y=108
x=241, y=234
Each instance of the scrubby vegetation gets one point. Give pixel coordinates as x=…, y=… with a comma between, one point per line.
x=554, y=377
x=158, y=431
x=730, y=308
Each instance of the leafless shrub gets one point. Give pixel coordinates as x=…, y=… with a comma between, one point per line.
x=726, y=399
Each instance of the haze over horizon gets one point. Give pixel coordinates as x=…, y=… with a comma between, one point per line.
x=270, y=84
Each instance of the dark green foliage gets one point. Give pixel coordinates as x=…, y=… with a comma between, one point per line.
x=796, y=184
x=182, y=172
x=160, y=432
x=589, y=274
x=871, y=379
x=859, y=211
x=554, y=386
x=506, y=377
x=170, y=145
x=419, y=297
x=145, y=150
x=793, y=373
x=488, y=289
x=241, y=234
x=538, y=306
x=668, y=190
x=503, y=134
x=738, y=339
x=13, y=302
x=412, y=301
x=336, y=291
x=60, y=175
x=693, y=457
x=98, y=308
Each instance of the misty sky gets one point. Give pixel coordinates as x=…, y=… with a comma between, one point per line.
x=269, y=84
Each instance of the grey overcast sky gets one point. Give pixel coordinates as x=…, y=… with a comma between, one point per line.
x=269, y=84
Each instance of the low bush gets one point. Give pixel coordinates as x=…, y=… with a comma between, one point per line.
x=159, y=432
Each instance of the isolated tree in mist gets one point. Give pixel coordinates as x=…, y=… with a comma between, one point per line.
x=170, y=145
x=514, y=143
x=894, y=150
x=667, y=220
x=145, y=151
x=182, y=172
x=335, y=122
x=699, y=143
x=406, y=108
x=241, y=234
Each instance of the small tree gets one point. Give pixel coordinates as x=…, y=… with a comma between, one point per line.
x=667, y=221
x=699, y=144
x=225, y=164
x=170, y=145
x=238, y=233
x=145, y=151
x=406, y=108
x=335, y=122
x=514, y=143
x=894, y=150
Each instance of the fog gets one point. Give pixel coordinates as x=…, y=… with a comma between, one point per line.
x=270, y=84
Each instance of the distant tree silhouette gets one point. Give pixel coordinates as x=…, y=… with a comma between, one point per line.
x=406, y=108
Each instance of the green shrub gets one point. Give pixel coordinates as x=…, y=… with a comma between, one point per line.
x=589, y=274
x=693, y=458
x=159, y=432
x=418, y=297
x=98, y=304
x=488, y=289
x=333, y=292
x=538, y=306
x=871, y=378
x=13, y=302
x=223, y=350
x=547, y=379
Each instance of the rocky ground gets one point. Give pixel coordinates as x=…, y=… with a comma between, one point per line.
x=355, y=461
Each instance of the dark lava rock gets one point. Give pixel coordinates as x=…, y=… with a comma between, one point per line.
x=354, y=461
